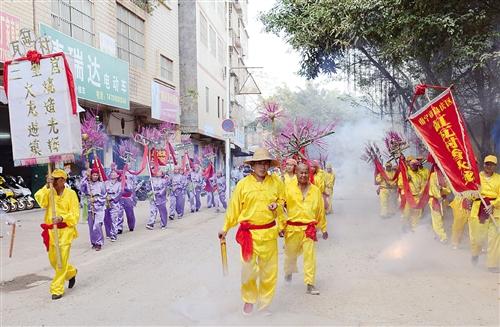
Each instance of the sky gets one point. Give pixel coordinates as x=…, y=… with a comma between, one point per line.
x=279, y=60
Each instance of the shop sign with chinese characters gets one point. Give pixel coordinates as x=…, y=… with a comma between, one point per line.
x=99, y=77
x=42, y=124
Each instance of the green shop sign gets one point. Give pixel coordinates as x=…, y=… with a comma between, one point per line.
x=99, y=77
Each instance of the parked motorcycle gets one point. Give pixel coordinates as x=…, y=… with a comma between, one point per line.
x=18, y=183
x=9, y=196
x=18, y=193
x=4, y=202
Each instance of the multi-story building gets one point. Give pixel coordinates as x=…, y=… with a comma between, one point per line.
x=125, y=56
x=205, y=43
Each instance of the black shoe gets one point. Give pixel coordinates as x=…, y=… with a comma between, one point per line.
x=56, y=296
x=131, y=229
x=71, y=282
x=288, y=278
x=120, y=232
x=192, y=211
x=171, y=217
x=474, y=259
x=197, y=210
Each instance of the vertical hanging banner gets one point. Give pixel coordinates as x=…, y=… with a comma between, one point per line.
x=42, y=110
x=441, y=127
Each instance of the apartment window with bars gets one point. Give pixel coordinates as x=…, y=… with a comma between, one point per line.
x=74, y=18
x=166, y=68
x=218, y=107
x=221, y=52
x=130, y=36
x=203, y=30
x=213, y=41
x=207, y=99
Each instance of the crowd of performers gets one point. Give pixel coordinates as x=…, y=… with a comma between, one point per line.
x=110, y=200
x=267, y=204
x=429, y=188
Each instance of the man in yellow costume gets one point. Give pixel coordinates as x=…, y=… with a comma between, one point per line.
x=289, y=175
x=438, y=192
x=481, y=225
x=319, y=180
x=387, y=191
x=416, y=181
x=66, y=218
x=460, y=207
x=329, y=183
x=257, y=205
x=306, y=212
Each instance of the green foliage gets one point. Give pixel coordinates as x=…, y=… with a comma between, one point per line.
x=402, y=43
x=148, y=5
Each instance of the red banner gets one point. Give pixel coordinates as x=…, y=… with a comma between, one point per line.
x=441, y=127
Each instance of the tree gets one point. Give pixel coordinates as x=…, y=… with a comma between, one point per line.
x=326, y=105
x=404, y=42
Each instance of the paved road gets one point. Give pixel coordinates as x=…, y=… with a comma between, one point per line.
x=368, y=273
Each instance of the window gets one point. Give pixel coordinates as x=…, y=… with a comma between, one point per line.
x=166, y=68
x=220, y=50
x=203, y=30
x=207, y=99
x=74, y=18
x=223, y=109
x=218, y=107
x=213, y=41
x=130, y=36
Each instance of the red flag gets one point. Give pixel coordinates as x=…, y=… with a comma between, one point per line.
x=98, y=166
x=441, y=127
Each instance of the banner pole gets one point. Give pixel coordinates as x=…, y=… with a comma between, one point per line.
x=54, y=228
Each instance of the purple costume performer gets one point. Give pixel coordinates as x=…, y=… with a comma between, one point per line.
x=128, y=203
x=95, y=191
x=114, y=190
x=211, y=185
x=221, y=191
x=194, y=190
x=178, y=193
x=158, y=202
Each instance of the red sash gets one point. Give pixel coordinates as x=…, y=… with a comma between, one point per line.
x=45, y=232
x=483, y=215
x=310, y=230
x=244, y=237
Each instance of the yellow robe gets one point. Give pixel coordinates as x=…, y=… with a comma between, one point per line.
x=490, y=187
x=319, y=180
x=387, y=194
x=249, y=202
x=304, y=210
x=417, y=181
x=436, y=191
x=288, y=178
x=68, y=208
x=329, y=183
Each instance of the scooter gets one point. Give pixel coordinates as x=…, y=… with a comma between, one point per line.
x=4, y=203
x=18, y=193
x=28, y=196
x=9, y=196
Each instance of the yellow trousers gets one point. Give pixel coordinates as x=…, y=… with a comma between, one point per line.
x=437, y=224
x=264, y=267
x=66, y=272
x=411, y=216
x=296, y=243
x=387, y=199
x=460, y=218
x=329, y=208
x=487, y=232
